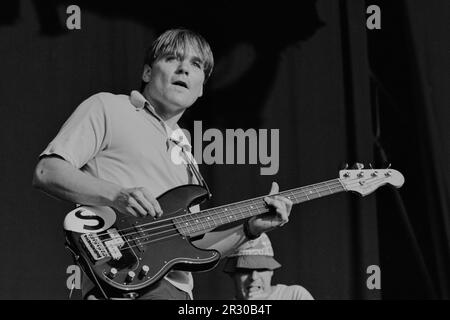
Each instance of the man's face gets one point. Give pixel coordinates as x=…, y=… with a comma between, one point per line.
x=252, y=283
x=175, y=81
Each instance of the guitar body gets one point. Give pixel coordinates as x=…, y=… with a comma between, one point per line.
x=122, y=253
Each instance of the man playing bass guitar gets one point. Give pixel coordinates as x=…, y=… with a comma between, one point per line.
x=115, y=151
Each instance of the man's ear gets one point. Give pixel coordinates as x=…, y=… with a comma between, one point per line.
x=146, y=73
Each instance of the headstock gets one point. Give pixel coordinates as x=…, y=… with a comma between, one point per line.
x=366, y=181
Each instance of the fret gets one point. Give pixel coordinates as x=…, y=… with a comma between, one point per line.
x=226, y=210
x=224, y=215
x=189, y=224
x=240, y=213
x=208, y=220
x=183, y=225
x=292, y=197
x=202, y=222
x=323, y=188
x=305, y=193
x=253, y=206
x=255, y=209
x=315, y=189
x=312, y=193
x=194, y=224
x=328, y=185
x=218, y=217
x=341, y=186
x=249, y=208
x=264, y=209
x=334, y=186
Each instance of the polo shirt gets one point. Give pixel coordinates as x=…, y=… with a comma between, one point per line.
x=121, y=139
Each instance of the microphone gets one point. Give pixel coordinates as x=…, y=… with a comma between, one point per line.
x=137, y=100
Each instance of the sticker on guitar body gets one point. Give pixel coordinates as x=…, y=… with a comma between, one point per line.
x=92, y=219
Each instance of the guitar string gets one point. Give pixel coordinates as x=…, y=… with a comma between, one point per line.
x=192, y=217
x=189, y=215
x=174, y=234
x=174, y=229
x=197, y=225
x=172, y=224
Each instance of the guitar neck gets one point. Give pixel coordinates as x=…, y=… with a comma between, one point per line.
x=204, y=221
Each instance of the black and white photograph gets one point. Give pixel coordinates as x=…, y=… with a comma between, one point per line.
x=225, y=151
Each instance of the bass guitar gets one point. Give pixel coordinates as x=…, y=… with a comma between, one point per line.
x=123, y=254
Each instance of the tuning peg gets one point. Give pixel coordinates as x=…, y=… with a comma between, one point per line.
x=344, y=166
x=358, y=166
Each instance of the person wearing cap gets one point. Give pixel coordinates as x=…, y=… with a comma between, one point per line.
x=252, y=266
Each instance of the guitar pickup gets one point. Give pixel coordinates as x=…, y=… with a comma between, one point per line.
x=114, y=244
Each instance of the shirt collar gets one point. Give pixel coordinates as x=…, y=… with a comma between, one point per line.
x=139, y=102
x=177, y=135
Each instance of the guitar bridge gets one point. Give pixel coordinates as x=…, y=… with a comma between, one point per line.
x=94, y=246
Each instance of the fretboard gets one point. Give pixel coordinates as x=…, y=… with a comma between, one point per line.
x=203, y=221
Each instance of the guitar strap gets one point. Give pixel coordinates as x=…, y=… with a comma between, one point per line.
x=192, y=168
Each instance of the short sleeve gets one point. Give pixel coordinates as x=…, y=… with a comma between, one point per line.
x=83, y=135
x=302, y=294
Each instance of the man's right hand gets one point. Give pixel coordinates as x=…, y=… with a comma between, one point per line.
x=137, y=202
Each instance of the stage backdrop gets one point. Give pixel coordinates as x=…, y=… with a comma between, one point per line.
x=303, y=70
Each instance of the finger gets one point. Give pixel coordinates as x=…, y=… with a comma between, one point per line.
x=130, y=210
x=133, y=204
x=269, y=201
x=143, y=202
x=282, y=210
x=275, y=205
x=288, y=201
x=274, y=189
x=153, y=201
x=284, y=204
x=283, y=217
x=157, y=207
x=289, y=205
x=273, y=202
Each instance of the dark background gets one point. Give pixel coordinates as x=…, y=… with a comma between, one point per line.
x=338, y=93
